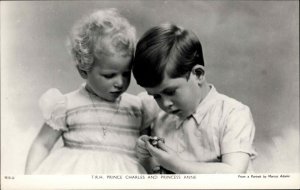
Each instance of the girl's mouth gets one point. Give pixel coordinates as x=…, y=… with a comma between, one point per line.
x=117, y=93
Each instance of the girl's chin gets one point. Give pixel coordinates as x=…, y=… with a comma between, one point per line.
x=112, y=98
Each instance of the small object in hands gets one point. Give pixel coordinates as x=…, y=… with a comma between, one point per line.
x=161, y=170
x=154, y=140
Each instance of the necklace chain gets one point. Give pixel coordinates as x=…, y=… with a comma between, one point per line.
x=104, y=129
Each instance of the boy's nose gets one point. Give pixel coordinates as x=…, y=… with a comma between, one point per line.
x=167, y=103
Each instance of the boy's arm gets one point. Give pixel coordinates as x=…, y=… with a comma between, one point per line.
x=41, y=147
x=231, y=163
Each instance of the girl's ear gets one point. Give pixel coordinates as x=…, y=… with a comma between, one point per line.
x=199, y=72
x=82, y=73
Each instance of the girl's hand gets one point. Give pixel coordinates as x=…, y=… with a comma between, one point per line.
x=164, y=155
x=141, y=149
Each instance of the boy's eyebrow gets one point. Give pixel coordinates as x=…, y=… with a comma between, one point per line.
x=113, y=71
x=164, y=90
x=170, y=88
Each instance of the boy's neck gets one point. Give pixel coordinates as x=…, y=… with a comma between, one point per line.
x=204, y=90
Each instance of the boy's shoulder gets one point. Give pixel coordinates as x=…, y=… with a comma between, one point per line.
x=229, y=100
x=230, y=104
x=217, y=99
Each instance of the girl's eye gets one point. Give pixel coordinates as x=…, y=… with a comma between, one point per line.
x=108, y=76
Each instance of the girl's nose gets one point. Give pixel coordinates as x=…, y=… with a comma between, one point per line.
x=119, y=82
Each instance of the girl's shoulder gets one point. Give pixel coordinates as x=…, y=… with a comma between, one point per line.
x=54, y=94
x=53, y=107
x=53, y=98
x=130, y=97
x=130, y=100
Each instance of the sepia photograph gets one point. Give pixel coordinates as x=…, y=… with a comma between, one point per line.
x=136, y=94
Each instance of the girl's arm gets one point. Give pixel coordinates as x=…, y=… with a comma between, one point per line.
x=231, y=163
x=41, y=147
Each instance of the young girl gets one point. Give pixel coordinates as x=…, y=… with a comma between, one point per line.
x=204, y=131
x=99, y=124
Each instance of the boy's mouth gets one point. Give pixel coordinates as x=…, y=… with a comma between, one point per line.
x=175, y=112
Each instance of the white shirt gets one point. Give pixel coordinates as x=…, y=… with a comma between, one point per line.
x=219, y=125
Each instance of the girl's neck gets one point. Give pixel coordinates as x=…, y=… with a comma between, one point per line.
x=90, y=91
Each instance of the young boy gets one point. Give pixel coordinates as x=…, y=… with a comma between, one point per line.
x=204, y=131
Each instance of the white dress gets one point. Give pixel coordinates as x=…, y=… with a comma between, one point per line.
x=99, y=137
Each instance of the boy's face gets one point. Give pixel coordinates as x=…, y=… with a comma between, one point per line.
x=178, y=96
x=110, y=76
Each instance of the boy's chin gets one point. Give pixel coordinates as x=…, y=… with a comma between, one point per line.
x=182, y=115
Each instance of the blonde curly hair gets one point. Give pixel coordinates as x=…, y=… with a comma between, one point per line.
x=104, y=32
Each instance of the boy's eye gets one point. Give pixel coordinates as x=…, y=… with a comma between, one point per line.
x=156, y=96
x=170, y=92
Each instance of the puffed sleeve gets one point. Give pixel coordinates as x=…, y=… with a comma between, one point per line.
x=150, y=109
x=239, y=131
x=53, y=106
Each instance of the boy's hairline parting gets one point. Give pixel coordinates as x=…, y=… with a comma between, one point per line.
x=166, y=48
x=101, y=25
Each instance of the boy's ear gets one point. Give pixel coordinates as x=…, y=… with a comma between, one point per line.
x=199, y=72
x=82, y=73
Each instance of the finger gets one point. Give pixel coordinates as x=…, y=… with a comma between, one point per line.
x=164, y=147
x=141, y=141
x=144, y=138
x=143, y=155
x=153, y=150
x=142, y=152
x=140, y=144
x=142, y=149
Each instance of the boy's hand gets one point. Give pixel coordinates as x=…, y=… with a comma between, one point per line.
x=141, y=149
x=164, y=155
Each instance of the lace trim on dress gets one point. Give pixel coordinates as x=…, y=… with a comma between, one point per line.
x=53, y=105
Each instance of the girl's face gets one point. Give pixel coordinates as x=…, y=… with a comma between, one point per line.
x=178, y=96
x=110, y=76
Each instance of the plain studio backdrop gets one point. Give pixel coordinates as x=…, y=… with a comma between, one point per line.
x=251, y=52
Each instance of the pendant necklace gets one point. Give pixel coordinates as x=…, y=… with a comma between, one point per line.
x=104, y=128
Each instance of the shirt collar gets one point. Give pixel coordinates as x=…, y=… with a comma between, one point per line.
x=205, y=104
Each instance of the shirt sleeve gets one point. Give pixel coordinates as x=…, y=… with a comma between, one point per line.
x=239, y=131
x=53, y=106
x=150, y=109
